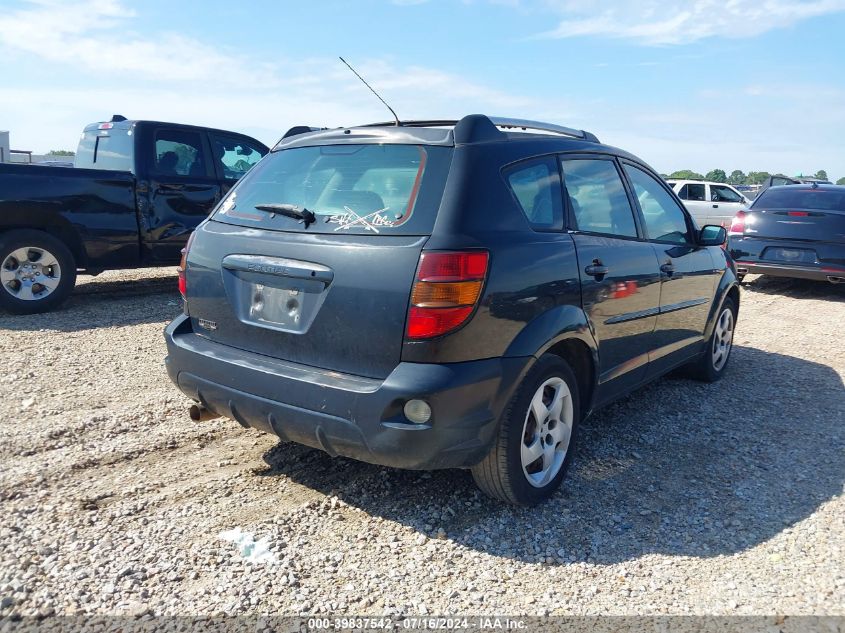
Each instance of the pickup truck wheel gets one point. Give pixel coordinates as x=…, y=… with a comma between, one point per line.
x=711, y=365
x=37, y=271
x=535, y=443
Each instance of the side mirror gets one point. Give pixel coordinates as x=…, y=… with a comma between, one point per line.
x=712, y=235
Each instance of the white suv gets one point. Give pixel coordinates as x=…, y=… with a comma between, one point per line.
x=709, y=202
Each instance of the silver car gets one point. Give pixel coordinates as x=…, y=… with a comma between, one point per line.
x=710, y=202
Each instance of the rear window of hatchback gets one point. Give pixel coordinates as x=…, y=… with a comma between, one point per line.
x=369, y=189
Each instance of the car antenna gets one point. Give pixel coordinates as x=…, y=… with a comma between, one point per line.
x=398, y=123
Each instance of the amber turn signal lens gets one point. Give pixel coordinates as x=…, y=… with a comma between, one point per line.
x=445, y=295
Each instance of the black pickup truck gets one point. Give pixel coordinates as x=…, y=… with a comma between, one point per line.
x=137, y=190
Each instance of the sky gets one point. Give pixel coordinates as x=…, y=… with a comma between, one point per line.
x=696, y=84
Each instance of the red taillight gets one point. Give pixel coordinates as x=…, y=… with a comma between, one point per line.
x=183, y=266
x=738, y=224
x=447, y=287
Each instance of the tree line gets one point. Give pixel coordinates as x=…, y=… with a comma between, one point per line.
x=738, y=177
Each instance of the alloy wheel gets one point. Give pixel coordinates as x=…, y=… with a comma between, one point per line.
x=30, y=273
x=547, y=432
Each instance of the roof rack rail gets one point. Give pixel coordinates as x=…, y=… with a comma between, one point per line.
x=526, y=124
x=500, y=122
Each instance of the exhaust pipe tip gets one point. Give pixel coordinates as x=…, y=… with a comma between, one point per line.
x=835, y=279
x=199, y=413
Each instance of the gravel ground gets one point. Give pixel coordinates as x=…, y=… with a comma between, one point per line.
x=684, y=498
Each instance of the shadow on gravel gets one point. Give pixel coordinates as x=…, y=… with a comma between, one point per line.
x=105, y=303
x=679, y=468
x=795, y=288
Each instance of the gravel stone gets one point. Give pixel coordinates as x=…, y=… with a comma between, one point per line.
x=683, y=498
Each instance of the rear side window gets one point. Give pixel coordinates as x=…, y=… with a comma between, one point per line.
x=597, y=197
x=106, y=149
x=800, y=198
x=536, y=186
x=692, y=191
x=362, y=189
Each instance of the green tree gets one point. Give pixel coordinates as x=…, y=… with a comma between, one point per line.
x=716, y=175
x=686, y=174
x=757, y=177
x=821, y=174
x=737, y=177
x=841, y=181
x=60, y=152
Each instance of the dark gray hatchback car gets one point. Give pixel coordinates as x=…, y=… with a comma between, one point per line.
x=446, y=294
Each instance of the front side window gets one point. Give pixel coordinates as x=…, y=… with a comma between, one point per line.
x=665, y=220
x=692, y=191
x=235, y=156
x=720, y=193
x=597, y=197
x=536, y=186
x=179, y=153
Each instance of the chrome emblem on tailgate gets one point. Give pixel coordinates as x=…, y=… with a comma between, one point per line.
x=206, y=324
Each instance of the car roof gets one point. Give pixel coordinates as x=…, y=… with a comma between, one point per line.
x=524, y=136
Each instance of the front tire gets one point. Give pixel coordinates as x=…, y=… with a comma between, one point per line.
x=536, y=438
x=37, y=271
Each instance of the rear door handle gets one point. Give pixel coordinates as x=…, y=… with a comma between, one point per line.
x=667, y=268
x=715, y=206
x=596, y=269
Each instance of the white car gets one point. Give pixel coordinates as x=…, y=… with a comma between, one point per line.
x=710, y=202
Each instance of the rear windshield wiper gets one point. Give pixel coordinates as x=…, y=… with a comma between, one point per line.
x=289, y=210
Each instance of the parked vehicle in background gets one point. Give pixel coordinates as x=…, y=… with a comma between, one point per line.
x=446, y=294
x=137, y=190
x=709, y=202
x=792, y=231
x=779, y=180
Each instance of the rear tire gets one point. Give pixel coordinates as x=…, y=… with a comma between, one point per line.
x=37, y=271
x=711, y=365
x=536, y=437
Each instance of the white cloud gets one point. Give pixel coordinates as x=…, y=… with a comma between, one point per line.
x=655, y=22
x=96, y=35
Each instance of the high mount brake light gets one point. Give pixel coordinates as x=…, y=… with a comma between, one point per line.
x=183, y=267
x=738, y=224
x=446, y=290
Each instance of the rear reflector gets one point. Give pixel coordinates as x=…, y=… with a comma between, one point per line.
x=800, y=214
x=183, y=267
x=446, y=290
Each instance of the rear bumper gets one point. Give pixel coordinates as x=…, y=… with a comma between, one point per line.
x=750, y=256
x=349, y=415
x=797, y=272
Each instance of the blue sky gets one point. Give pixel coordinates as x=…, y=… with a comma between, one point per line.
x=699, y=84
